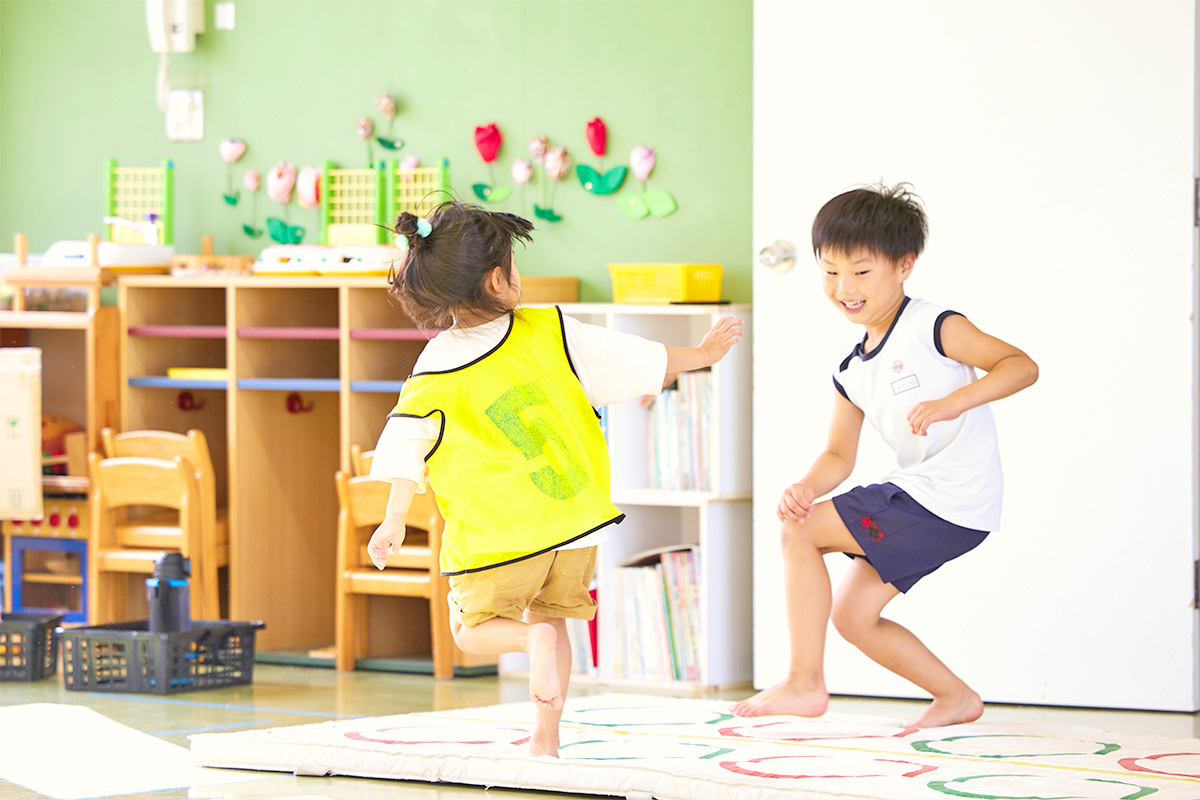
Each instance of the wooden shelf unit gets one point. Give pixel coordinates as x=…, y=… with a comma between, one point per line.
x=344, y=348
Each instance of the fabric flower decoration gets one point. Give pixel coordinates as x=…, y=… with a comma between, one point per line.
x=597, y=136
x=537, y=148
x=641, y=161
x=410, y=161
x=231, y=150
x=386, y=106
x=280, y=181
x=657, y=202
x=557, y=163
x=308, y=187
x=599, y=182
x=522, y=171
x=365, y=127
x=250, y=182
x=488, y=141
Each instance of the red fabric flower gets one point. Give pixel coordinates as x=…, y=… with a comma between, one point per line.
x=488, y=141
x=597, y=136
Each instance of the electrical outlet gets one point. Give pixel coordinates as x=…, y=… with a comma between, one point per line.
x=223, y=16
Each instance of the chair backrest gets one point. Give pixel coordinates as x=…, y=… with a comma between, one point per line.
x=363, y=504
x=122, y=482
x=360, y=460
x=191, y=446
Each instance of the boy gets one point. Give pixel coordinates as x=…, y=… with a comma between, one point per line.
x=913, y=376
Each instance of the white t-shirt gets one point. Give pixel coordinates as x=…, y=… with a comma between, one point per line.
x=954, y=470
x=612, y=367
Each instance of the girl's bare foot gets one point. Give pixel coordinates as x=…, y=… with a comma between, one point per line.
x=545, y=689
x=544, y=743
x=964, y=707
x=785, y=698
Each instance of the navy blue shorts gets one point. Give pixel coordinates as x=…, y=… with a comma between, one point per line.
x=902, y=540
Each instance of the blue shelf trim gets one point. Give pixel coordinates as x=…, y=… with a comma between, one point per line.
x=161, y=382
x=291, y=384
x=389, y=387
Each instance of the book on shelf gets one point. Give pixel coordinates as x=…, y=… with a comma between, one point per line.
x=582, y=633
x=679, y=450
x=656, y=600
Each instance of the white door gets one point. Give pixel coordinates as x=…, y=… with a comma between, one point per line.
x=1052, y=143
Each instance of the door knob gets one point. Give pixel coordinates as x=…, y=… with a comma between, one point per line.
x=779, y=255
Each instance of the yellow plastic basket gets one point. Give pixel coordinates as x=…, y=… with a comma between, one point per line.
x=666, y=283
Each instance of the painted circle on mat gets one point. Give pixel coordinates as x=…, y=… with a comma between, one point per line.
x=440, y=734
x=1180, y=765
x=1005, y=745
x=793, y=767
x=627, y=749
x=636, y=716
x=807, y=730
x=1039, y=787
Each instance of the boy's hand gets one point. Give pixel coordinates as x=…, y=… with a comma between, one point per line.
x=796, y=503
x=925, y=414
x=387, y=538
x=723, y=336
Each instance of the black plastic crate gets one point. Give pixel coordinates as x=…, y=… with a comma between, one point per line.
x=126, y=657
x=28, y=646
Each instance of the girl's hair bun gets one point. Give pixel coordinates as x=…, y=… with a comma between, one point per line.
x=406, y=226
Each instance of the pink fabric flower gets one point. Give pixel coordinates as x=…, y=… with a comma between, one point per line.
x=537, y=146
x=386, y=105
x=557, y=163
x=410, y=161
x=250, y=180
x=488, y=141
x=308, y=187
x=232, y=150
x=365, y=127
x=597, y=136
x=641, y=161
x=522, y=171
x=280, y=181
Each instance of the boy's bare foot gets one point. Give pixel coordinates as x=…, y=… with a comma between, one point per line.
x=545, y=689
x=966, y=707
x=544, y=743
x=784, y=698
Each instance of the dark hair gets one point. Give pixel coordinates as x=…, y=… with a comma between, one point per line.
x=446, y=270
x=886, y=221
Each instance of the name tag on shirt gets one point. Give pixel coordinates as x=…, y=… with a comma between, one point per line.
x=905, y=384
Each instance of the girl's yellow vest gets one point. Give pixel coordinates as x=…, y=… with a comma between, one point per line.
x=521, y=465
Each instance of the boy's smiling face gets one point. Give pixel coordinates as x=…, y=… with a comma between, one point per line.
x=868, y=287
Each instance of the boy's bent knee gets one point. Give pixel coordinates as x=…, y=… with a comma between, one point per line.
x=851, y=622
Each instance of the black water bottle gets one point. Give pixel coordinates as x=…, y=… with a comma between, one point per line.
x=169, y=595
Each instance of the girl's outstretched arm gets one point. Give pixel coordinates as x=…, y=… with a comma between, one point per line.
x=388, y=537
x=716, y=343
x=1008, y=369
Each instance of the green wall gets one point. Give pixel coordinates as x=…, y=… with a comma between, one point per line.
x=77, y=86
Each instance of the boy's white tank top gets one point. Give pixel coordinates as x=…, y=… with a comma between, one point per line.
x=953, y=471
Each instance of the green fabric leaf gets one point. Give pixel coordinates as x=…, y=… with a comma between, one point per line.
x=253, y=233
x=283, y=233
x=390, y=144
x=661, y=203
x=499, y=194
x=481, y=190
x=612, y=180
x=545, y=213
x=588, y=178
x=231, y=199
x=634, y=206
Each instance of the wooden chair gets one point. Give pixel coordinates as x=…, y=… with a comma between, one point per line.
x=214, y=546
x=119, y=551
x=360, y=460
x=414, y=572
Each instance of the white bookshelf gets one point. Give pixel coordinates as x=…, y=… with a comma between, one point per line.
x=717, y=520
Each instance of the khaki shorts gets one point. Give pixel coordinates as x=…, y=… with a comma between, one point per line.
x=553, y=584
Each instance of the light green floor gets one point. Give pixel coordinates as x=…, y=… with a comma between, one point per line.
x=282, y=695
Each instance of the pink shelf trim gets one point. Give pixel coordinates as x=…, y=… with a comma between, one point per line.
x=179, y=331
x=406, y=334
x=288, y=333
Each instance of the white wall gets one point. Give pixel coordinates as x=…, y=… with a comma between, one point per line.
x=1052, y=142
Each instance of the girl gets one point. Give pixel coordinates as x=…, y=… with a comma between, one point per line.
x=501, y=410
